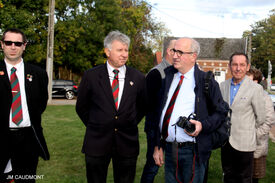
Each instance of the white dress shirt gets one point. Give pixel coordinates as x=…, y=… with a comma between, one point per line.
x=121, y=79
x=21, y=78
x=184, y=106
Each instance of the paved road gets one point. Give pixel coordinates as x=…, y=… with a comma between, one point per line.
x=62, y=102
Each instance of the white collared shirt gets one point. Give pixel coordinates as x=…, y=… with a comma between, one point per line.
x=21, y=78
x=121, y=79
x=184, y=106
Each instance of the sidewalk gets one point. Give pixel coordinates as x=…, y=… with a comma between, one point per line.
x=272, y=134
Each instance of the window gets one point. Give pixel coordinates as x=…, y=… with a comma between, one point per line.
x=217, y=73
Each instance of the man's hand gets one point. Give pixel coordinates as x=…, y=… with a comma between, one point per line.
x=198, y=128
x=158, y=156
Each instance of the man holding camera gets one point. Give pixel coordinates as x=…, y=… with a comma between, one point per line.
x=182, y=94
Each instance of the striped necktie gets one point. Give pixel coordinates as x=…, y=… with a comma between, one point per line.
x=16, y=106
x=115, y=87
x=169, y=110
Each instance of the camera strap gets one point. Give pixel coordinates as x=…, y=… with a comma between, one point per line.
x=175, y=149
x=175, y=157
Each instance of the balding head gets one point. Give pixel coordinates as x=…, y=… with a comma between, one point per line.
x=185, y=54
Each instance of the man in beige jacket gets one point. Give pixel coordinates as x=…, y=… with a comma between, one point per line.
x=248, y=111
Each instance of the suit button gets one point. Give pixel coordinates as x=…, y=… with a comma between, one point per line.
x=116, y=117
x=115, y=129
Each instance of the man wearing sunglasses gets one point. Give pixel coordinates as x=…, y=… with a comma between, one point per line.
x=23, y=97
x=182, y=93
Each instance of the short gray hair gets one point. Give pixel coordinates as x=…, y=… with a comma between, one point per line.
x=115, y=35
x=195, y=46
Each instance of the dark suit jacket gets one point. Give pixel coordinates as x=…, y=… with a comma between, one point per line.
x=107, y=128
x=37, y=96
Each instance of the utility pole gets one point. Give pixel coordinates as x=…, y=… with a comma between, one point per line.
x=50, y=44
x=269, y=74
x=249, y=47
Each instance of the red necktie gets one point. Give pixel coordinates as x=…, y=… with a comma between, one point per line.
x=169, y=110
x=16, y=107
x=115, y=87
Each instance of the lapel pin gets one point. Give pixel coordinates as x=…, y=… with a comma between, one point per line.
x=1, y=73
x=29, y=77
x=131, y=83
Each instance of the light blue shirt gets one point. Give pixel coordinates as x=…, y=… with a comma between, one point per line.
x=234, y=90
x=184, y=106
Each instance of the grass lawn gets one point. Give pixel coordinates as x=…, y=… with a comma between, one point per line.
x=64, y=134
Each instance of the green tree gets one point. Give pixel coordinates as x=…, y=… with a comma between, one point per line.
x=31, y=17
x=263, y=43
x=146, y=33
x=1, y=4
x=80, y=28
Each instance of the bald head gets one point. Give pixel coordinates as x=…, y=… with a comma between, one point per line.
x=192, y=44
x=186, y=51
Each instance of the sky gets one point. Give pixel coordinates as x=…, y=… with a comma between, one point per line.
x=210, y=18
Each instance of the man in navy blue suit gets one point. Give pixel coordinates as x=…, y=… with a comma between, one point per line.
x=111, y=103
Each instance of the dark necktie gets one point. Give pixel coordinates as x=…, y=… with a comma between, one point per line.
x=115, y=87
x=16, y=106
x=169, y=110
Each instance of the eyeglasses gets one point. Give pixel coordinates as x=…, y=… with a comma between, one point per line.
x=179, y=52
x=9, y=43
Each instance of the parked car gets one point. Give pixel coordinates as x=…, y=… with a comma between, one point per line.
x=64, y=88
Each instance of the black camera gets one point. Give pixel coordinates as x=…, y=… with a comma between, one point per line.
x=184, y=123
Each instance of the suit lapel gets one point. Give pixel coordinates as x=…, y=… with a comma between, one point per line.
x=104, y=82
x=128, y=82
x=27, y=71
x=227, y=90
x=4, y=75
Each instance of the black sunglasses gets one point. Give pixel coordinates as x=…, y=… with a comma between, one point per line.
x=9, y=43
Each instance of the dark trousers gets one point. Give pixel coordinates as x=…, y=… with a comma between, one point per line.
x=255, y=180
x=24, y=155
x=181, y=164
x=124, y=168
x=206, y=171
x=150, y=169
x=237, y=166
